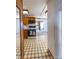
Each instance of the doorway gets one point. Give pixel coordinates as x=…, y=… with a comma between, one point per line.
x=17, y=33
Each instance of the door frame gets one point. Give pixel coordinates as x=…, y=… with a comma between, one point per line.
x=21, y=39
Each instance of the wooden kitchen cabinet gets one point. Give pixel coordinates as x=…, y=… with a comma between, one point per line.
x=25, y=33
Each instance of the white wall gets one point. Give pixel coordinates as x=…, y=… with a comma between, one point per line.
x=53, y=28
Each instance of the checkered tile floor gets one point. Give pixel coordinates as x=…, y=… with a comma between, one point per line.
x=18, y=53
x=36, y=49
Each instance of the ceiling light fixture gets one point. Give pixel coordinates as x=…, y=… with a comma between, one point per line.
x=46, y=11
x=25, y=12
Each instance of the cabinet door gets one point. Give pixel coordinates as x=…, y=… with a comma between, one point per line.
x=25, y=32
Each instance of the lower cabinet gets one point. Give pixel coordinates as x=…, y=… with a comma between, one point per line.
x=25, y=32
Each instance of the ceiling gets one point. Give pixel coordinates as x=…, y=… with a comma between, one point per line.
x=36, y=7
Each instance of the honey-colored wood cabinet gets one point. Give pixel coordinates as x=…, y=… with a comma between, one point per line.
x=25, y=33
